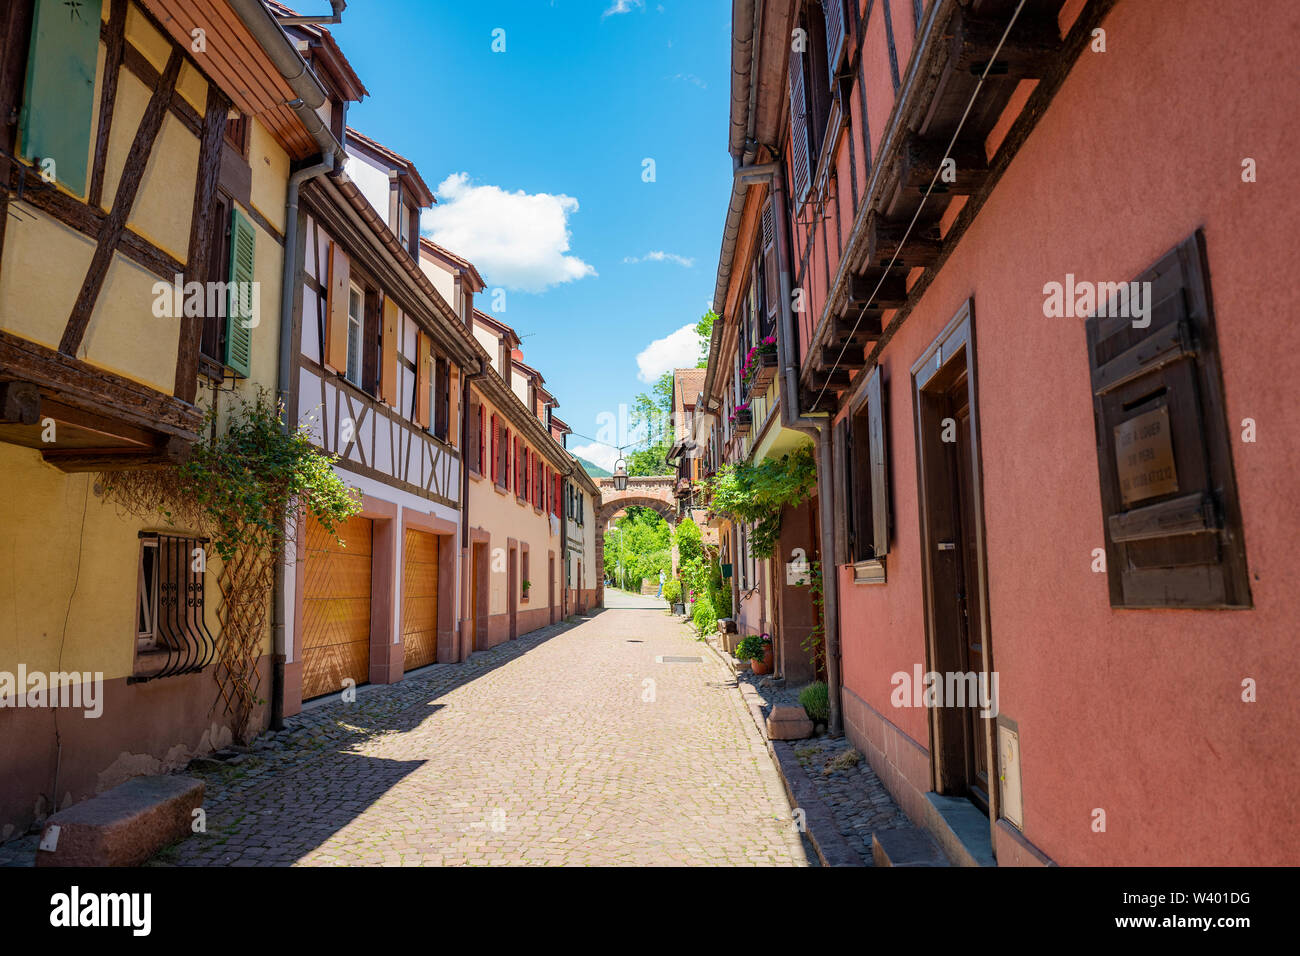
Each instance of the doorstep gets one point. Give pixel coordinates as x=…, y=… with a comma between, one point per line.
x=961, y=830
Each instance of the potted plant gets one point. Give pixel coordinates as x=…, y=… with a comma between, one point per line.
x=742, y=418
x=757, y=650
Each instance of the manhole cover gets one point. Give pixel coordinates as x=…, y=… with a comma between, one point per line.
x=679, y=660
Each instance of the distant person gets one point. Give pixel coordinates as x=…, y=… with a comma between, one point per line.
x=661, y=583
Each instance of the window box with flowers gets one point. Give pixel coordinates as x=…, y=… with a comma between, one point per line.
x=742, y=419
x=760, y=366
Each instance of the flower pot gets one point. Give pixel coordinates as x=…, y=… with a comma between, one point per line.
x=765, y=665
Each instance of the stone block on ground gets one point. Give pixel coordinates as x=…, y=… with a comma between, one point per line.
x=906, y=846
x=788, y=723
x=123, y=826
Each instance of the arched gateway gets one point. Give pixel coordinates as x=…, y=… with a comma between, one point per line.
x=654, y=492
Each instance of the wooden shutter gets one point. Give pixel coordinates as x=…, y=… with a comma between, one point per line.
x=423, y=368
x=879, y=465
x=336, y=328
x=1164, y=456
x=799, y=146
x=481, y=440
x=496, y=443
x=442, y=399
x=388, y=386
x=771, y=265
x=505, y=458
x=833, y=12
x=239, y=308
x=59, y=95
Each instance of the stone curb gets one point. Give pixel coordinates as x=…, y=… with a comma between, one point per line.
x=820, y=827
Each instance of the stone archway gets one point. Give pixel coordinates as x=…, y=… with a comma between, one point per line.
x=651, y=491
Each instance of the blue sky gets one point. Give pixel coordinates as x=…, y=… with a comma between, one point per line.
x=582, y=95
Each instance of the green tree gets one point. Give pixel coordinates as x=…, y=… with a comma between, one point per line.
x=704, y=329
x=651, y=418
x=644, y=541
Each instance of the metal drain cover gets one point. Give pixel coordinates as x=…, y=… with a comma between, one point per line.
x=678, y=660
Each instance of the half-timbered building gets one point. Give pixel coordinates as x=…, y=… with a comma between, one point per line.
x=380, y=356
x=145, y=151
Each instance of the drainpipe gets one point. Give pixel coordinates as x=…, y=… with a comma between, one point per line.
x=465, y=555
x=309, y=97
x=820, y=429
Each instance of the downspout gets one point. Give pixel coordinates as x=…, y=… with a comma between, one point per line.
x=310, y=96
x=820, y=430
x=288, y=282
x=465, y=556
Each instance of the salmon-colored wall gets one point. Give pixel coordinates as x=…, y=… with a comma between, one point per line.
x=1138, y=713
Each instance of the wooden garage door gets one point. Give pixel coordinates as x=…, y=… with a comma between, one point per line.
x=420, y=599
x=336, y=607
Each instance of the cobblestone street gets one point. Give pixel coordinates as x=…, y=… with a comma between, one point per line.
x=541, y=751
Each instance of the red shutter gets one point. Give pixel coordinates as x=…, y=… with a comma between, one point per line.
x=481, y=438
x=496, y=444
x=798, y=128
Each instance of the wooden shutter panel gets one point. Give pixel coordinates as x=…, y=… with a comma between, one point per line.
x=481, y=439
x=336, y=328
x=878, y=464
x=442, y=399
x=1164, y=456
x=423, y=368
x=833, y=12
x=496, y=440
x=771, y=266
x=799, y=147
x=388, y=389
x=239, y=308
x=59, y=96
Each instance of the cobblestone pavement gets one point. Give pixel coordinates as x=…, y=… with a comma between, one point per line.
x=570, y=746
x=841, y=776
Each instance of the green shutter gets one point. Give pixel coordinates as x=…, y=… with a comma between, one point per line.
x=59, y=100
x=239, y=314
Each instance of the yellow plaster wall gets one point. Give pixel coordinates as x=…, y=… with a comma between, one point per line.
x=51, y=568
x=125, y=336
x=270, y=167
x=141, y=34
x=40, y=276
x=193, y=87
x=128, y=109
x=164, y=202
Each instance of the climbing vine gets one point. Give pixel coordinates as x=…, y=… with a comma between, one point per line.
x=244, y=489
x=755, y=494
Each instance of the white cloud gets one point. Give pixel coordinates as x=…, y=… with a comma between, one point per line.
x=516, y=239
x=660, y=256
x=680, y=349
x=606, y=456
x=622, y=6
x=693, y=79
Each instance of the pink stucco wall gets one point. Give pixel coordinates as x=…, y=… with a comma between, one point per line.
x=1135, y=712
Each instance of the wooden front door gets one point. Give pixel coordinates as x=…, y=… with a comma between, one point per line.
x=550, y=585
x=976, y=730
x=336, y=607
x=512, y=592
x=478, y=551
x=954, y=565
x=419, y=599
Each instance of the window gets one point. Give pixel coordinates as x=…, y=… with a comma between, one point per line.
x=171, y=635
x=227, y=337
x=868, y=479
x=524, y=583
x=1173, y=525
x=496, y=450
x=810, y=99
x=237, y=133
x=356, y=324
